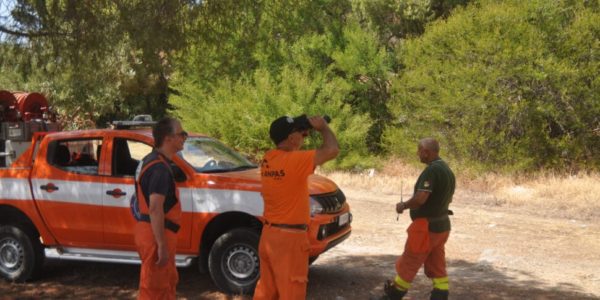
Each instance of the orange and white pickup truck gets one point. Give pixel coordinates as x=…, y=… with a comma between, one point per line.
x=66, y=195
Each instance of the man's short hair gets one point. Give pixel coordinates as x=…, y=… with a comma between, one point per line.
x=162, y=129
x=430, y=144
x=281, y=128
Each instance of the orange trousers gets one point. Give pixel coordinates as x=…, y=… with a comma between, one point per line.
x=283, y=264
x=423, y=248
x=155, y=282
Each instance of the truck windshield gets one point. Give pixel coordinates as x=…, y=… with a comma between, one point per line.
x=208, y=155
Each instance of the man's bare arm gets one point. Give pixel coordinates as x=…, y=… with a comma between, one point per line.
x=418, y=199
x=330, y=148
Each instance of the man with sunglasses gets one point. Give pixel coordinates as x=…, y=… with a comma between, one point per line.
x=158, y=212
x=284, y=244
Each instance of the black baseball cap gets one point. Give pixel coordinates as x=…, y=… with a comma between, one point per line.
x=282, y=127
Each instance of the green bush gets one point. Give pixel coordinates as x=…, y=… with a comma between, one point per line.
x=343, y=77
x=510, y=85
x=239, y=113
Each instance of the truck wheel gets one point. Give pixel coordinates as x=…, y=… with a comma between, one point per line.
x=21, y=254
x=233, y=261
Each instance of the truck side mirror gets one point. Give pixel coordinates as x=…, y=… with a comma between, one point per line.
x=178, y=173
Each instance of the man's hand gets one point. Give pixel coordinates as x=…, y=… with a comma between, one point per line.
x=416, y=201
x=317, y=122
x=163, y=255
x=400, y=207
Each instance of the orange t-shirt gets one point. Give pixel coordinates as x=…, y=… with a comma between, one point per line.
x=284, y=176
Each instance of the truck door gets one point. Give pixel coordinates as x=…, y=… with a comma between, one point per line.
x=123, y=159
x=125, y=155
x=67, y=187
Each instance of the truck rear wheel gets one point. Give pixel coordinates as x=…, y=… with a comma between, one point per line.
x=233, y=261
x=21, y=254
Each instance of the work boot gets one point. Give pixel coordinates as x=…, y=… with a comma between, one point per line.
x=391, y=292
x=439, y=294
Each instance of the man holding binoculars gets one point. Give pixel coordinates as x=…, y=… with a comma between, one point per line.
x=284, y=245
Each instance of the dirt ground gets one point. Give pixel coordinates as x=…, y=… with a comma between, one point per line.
x=494, y=252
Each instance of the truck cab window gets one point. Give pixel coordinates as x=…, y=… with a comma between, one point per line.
x=76, y=156
x=126, y=156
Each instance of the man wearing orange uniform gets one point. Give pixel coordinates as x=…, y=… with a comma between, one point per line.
x=284, y=245
x=430, y=227
x=158, y=213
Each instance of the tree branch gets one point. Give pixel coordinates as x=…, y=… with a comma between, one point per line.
x=27, y=34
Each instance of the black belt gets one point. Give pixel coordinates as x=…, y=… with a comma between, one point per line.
x=440, y=218
x=289, y=226
x=168, y=223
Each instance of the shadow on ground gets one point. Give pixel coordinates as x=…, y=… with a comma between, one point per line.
x=348, y=277
x=362, y=277
x=85, y=280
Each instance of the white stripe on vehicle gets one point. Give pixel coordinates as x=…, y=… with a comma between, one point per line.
x=184, y=194
x=218, y=201
x=14, y=189
x=192, y=200
x=81, y=192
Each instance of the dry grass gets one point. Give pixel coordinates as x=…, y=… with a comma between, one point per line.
x=566, y=195
x=571, y=196
x=387, y=181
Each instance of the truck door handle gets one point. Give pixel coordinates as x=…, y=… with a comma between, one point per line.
x=116, y=193
x=50, y=187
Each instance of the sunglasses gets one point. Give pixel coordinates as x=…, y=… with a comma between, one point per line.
x=182, y=134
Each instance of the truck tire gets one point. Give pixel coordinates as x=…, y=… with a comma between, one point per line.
x=233, y=261
x=21, y=253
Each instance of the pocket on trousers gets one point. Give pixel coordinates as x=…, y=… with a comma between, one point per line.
x=299, y=279
x=418, y=236
x=305, y=248
x=299, y=265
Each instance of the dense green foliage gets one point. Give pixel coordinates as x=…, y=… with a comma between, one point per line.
x=239, y=112
x=326, y=58
x=512, y=85
x=503, y=84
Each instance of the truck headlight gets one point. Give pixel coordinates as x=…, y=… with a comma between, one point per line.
x=315, y=207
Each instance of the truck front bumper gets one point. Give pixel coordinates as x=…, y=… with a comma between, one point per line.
x=328, y=230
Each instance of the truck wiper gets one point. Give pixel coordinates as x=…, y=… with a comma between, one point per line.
x=240, y=168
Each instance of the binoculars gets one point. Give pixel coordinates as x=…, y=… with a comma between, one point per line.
x=302, y=123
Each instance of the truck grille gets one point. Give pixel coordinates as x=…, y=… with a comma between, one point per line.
x=331, y=202
x=327, y=230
